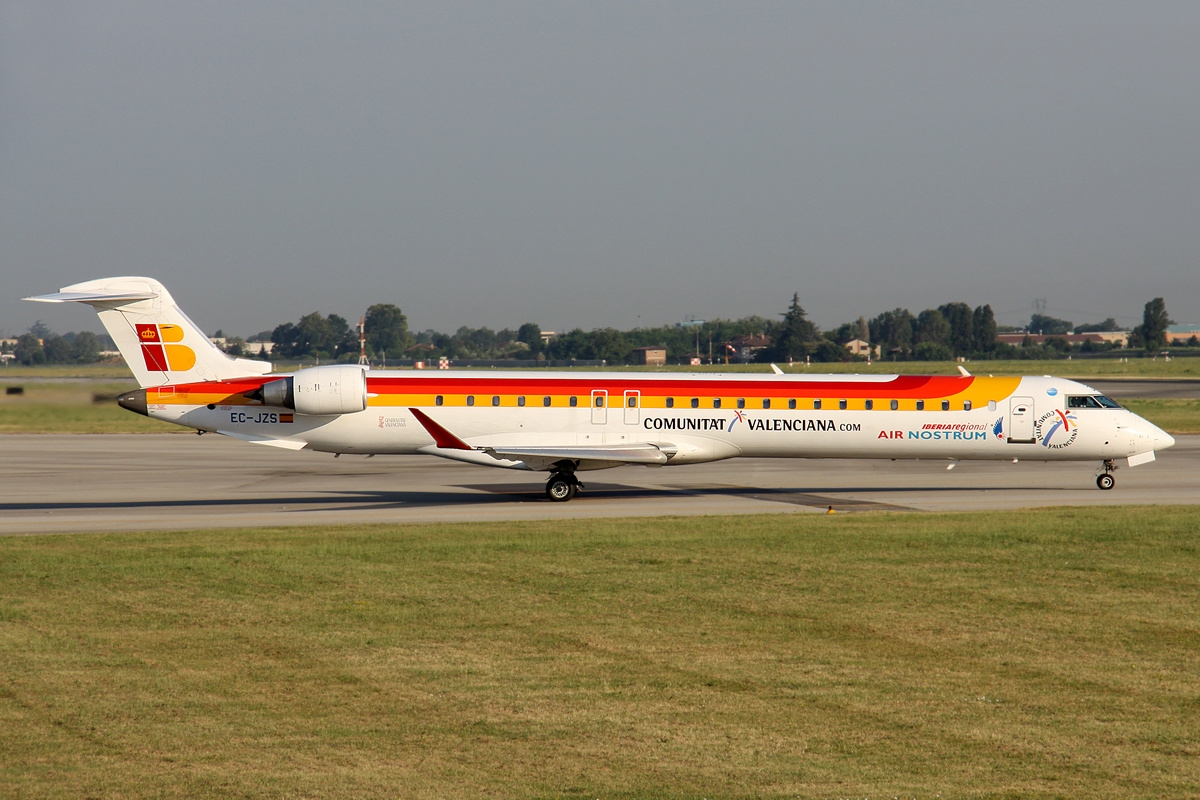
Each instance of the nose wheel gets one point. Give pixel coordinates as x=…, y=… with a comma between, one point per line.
x=1105, y=480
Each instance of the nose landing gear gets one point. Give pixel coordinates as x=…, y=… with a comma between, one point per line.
x=1105, y=479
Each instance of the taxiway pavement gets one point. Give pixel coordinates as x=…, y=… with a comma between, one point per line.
x=59, y=483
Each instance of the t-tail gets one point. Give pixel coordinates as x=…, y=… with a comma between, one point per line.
x=158, y=341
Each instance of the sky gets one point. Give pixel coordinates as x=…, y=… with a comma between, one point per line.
x=601, y=164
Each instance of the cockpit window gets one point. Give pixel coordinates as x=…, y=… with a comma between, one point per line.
x=1091, y=401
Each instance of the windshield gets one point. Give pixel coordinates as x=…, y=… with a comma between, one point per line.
x=1091, y=401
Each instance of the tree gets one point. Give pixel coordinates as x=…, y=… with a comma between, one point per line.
x=983, y=329
x=846, y=332
x=386, y=329
x=1049, y=326
x=797, y=336
x=828, y=351
x=1106, y=326
x=58, y=350
x=530, y=335
x=29, y=350
x=86, y=347
x=1153, y=330
x=933, y=328
x=893, y=331
x=960, y=319
x=932, y=351
x=315, y=336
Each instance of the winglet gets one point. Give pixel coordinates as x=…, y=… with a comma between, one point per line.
x=963, y=370
x=776, y=370
x=442, y=437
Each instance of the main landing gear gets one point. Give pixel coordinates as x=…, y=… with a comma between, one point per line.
x=1105, y=480
x=562, y=486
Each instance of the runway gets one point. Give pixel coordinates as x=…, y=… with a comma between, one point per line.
x=59, y=483
x=1168, y=388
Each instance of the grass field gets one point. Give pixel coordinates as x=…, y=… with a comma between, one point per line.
x=72, y=406
x=1173, y=414
x=1035, y=654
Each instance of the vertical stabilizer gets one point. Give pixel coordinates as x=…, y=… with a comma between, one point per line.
x=158, y=341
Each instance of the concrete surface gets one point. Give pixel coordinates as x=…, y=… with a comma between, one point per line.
x=56, y=483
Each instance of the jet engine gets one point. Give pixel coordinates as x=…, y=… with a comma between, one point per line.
x=318, y=391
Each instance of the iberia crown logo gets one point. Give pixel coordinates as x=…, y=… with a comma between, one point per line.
x=161, y=349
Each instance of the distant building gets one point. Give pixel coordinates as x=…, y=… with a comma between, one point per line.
x=744, y=347
x=1118, y=338
x=650, y=355
x=1182, y=334
x=258, y=348
x=858, y=347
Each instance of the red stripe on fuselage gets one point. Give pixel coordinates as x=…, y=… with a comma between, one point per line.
x=905, y=386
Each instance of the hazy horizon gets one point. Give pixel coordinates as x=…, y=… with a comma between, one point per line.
x=621, y=164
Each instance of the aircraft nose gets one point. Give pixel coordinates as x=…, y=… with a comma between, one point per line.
x=1162, y=439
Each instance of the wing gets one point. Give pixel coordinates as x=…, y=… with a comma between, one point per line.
x=447, y=445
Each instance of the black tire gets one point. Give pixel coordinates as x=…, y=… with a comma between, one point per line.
x=1106, y=481
x=559, y=489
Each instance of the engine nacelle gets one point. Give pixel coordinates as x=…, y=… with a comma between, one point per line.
x=320, y=391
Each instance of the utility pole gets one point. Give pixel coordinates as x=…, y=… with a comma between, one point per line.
x=362, y=342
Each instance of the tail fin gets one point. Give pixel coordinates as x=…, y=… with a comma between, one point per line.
x=159, y=343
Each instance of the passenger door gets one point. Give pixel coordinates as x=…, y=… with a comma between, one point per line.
x=1020, y=420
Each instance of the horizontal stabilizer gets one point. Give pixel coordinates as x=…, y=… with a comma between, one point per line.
x=92, y=298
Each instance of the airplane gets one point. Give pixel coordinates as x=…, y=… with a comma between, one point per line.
x=564, y=423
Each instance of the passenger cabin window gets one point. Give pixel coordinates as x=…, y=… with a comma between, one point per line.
x=695, y=402
x=574, y=401
x=945, y=405
x=470, y=399
x=920, y=405
x=766, y=402
x=437, y=400
x=1090, y=401
x=816, y=405
x=599, y=401
x=792, y=403
x=991, y=405
x=966, y=405
x=670, y=402
x=895, y=404
x=716, y=402
x=521, y=400
x=741, y=402
x=842, y=404
x=631, y=401
x=869, y=404
x=495, y=399
x=546, y=400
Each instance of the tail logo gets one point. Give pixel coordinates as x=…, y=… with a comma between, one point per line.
x=161, y=349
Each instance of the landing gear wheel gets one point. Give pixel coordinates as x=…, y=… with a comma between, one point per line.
x=560, y=489
x=1106, y=481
